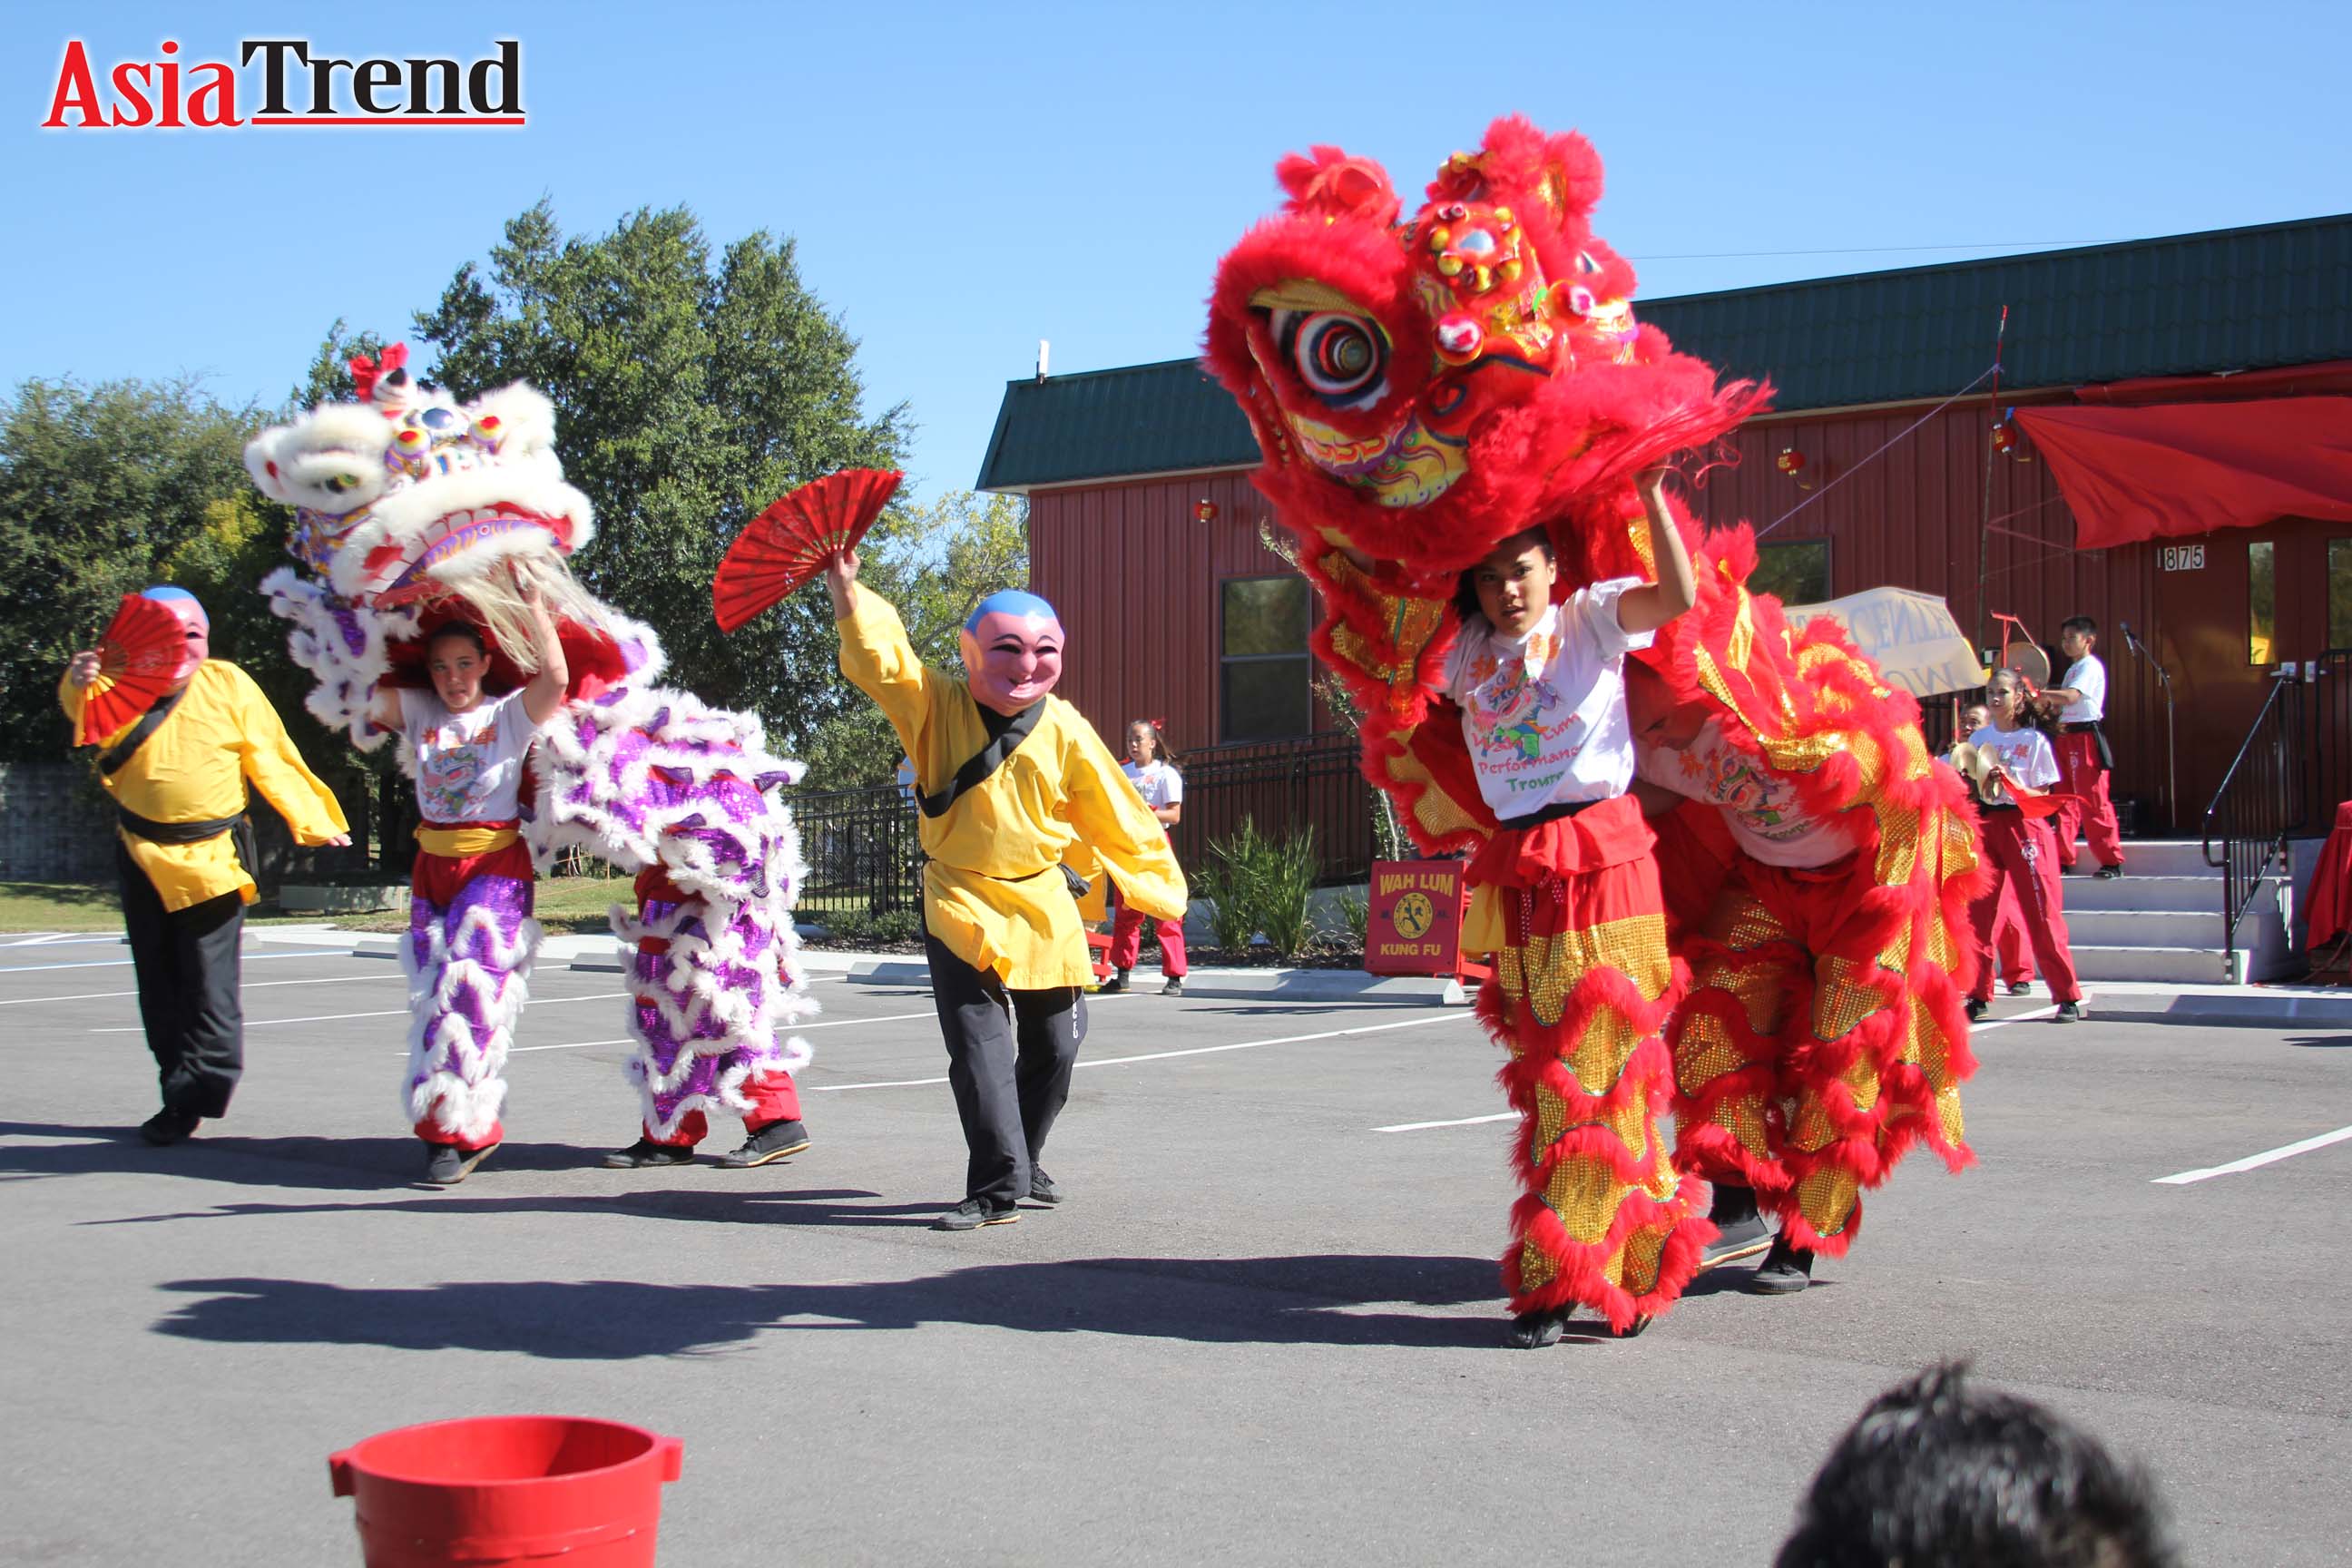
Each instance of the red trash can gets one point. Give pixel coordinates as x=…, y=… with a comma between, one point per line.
x=508, y=1490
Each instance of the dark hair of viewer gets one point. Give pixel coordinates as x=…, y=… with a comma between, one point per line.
x=1936, y=1474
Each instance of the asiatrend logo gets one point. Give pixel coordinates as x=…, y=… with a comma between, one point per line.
x=284, y=81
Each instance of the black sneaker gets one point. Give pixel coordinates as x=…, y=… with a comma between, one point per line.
x=446, y=1164
x=1175, y=987
x=1042, y=1189
x=2068, y=1012
x=2020, y=988
x=1977, y=1008
x=973, y=1213
x=1786, y=1269
x=168, y=1126
x=2107, y=873
x=1114, y=986
x=773, y=1141
x=1534, y=1330
x=646, y=1151
x=1736, y=1239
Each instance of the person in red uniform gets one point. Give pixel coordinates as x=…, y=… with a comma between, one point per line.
x=2021, y=848
x=2084, y=759
x=2008, y=933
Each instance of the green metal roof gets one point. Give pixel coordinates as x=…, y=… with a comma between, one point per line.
x=2237, y=299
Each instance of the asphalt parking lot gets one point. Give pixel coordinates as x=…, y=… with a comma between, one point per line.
x=1262, y=1329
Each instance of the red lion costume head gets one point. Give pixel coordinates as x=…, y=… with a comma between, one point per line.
x=1424, y=389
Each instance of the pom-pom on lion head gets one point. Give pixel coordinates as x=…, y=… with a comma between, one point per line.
x=1423, y=387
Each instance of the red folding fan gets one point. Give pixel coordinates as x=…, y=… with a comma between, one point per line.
x=789, y=543
x=138, y=654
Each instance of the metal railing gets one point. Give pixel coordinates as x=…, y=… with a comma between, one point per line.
x=2263, y=798
x=1284, y=787
x=863, y=853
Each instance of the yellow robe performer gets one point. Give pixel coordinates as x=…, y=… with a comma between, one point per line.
x=183, y=889
x=1008, y=954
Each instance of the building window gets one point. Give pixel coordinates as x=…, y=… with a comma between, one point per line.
x=2262, y=600
x=1795, y=573
x=2339, y=594
x=1263, y=666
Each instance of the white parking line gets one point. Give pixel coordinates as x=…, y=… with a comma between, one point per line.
x=2050, y=1011
x=127, y=962
x=1458, y=1122
x=248, y=985
x=61, y=939
x=2268, y=1156
x=386, y=1013
x=1163, y=1056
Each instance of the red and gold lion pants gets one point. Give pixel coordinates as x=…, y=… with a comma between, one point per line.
x=1582, y=984
x=1821, y=1037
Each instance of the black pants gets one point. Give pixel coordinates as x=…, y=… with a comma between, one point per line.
x=187, y=967
x=1010, y=1056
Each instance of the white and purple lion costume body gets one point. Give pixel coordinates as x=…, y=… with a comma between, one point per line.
x=410, y=509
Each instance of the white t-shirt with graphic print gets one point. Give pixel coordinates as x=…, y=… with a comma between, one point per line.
x=1545, y=714
x=469, y=765
x=2024, y=754
x=1759, y=807
x=1156, y=782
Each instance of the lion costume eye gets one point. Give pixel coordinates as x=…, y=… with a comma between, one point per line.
x=1342, y=359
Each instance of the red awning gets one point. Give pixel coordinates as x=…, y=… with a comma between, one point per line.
x=2176, y=468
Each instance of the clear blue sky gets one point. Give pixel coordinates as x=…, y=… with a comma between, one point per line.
x=967, y=178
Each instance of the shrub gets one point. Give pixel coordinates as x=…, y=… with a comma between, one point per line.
x=1357, y=912
x=1260, y=883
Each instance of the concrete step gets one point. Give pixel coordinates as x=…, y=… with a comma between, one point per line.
x=2145, y=928
x=2156, y=858
x=2131, y=892
x=2165, y=965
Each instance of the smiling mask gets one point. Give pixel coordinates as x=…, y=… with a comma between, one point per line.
x=1012, y=651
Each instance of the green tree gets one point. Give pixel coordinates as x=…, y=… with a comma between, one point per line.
x=689, y=392
x=102, y=490
x=933, y=564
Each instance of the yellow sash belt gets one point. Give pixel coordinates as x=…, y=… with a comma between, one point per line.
x=457, y=843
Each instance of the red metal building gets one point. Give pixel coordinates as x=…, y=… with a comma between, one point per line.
x=1145, y=531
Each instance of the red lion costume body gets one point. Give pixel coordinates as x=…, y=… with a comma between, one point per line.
x=1423, y=390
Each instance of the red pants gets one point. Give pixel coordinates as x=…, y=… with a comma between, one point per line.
x=2090, y=812
x=2009, y=941
x=2024, y=857
x=773, y=1096
x=1127, y=942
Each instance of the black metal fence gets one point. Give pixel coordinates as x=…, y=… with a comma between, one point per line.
x=862, y=851
x=864, y=856
x=1285, y=786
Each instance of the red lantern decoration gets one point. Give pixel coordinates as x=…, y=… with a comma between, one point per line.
x=1206, y=511
x=2004, y=436
x=1791, y=461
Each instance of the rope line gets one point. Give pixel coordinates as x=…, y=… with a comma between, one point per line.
x=1989, y=371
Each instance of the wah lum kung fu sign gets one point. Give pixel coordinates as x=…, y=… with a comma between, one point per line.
x=1416, y=923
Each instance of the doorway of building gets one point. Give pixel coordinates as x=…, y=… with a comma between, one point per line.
x=2232, y=610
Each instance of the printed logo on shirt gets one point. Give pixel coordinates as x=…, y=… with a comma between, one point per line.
x=1507, y=705
x=451, y=772
x=1729, y=780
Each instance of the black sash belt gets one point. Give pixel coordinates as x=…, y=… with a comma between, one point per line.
x=247, y=853
x=174, y=832
x=2106, y=752
x=1551, y=813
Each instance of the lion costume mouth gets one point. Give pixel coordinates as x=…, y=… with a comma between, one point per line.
x=427, y=562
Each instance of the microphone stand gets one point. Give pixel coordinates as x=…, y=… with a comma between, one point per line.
x=2171, y=773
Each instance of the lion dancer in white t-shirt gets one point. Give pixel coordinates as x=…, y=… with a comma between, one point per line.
x=1799, y=1089
x=471, y=937
x=2084, y=757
